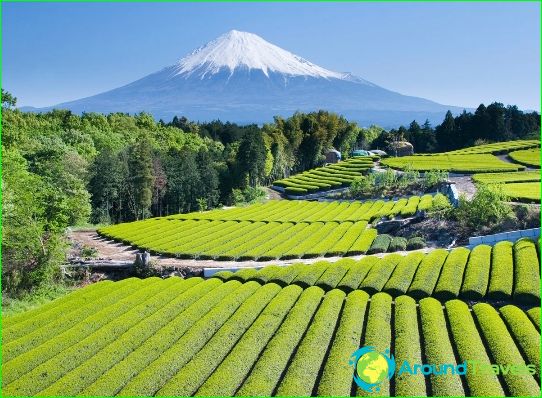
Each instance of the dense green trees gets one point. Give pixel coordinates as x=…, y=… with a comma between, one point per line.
x=62, y=169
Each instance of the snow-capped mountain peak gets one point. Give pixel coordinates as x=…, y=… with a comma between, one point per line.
x=236, y=49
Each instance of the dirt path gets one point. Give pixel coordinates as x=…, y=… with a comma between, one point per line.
x=110, y=250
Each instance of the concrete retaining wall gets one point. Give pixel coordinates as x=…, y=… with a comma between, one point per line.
x=511, y=236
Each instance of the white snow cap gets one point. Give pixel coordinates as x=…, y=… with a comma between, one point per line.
x=242, y=49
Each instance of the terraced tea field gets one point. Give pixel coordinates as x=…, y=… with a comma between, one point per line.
x=522, y=186
x=455, y=163
x=209, y=337
x=497, y=147
x=503, y=272
x=325, y=178
x=529, y=157
x=504, y=178
x=276, y=229
x=523, y=192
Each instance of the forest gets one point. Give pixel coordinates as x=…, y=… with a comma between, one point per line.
x=61, y=169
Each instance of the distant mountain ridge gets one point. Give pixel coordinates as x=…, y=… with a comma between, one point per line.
x=240, y=77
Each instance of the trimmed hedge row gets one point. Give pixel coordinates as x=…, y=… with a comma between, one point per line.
x=73, y=311
x=470, y=347
x=524, y=333
x=337, y=373
x=408, y=347
x=456, y=163
x=267, y=371
x=427, y=274
x=451, y=276
x=324, y=178
x=156, y=374
x=378, y=334
x=244, y=334
x=89, y=371
x=25, y=357
x=438, y=348
x=534, y=315
x=214, y=338
x=438, y=273
x=300, y=378
x=38, y=368
x=527, y=157
x=526, y=272
x=476, y=277
x=113, y=380
x=504, y=351
x=501, y=280
x=229, y=376
x=380, y=273
x=402, y=276
x=36, y=315
x=380, y=244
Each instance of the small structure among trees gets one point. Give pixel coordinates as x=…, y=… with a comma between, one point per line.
x=333, y=156
x=401, y=148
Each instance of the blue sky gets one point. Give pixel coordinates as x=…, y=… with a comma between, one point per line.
x=453, y=53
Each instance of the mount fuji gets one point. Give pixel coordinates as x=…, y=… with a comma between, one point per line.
x=240, y=77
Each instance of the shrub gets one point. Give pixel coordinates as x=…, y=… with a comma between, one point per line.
x=503, y=350
x=407, y=347
x=440, y=207
x=287, y=274
x=229, y=312
x=378, y=331
x=402, y=275
x=470, y=347
x=438, y=349
x=74, y=347
x=380, y=273
x=380, y=244
x=73, y=310
x=427, y=274
x=302, y=373
x=415, y=243
x=296, y=191
x=501, y=280
x=363, y=242
x=74, y=382
x=524, y=333
x=268, y=370
x=526, y=272
x=337, y=373
x=477, y=273
x=433, y=178
x=398, y=243
x=411, y=207
x=357, y=273
x=534, y=314
x=334, y=273
x=485, y=208
x=309, y=275
x=223, y=275
x=225, y=296
x=451, y=276
x=362, y=185
x=222, y=365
